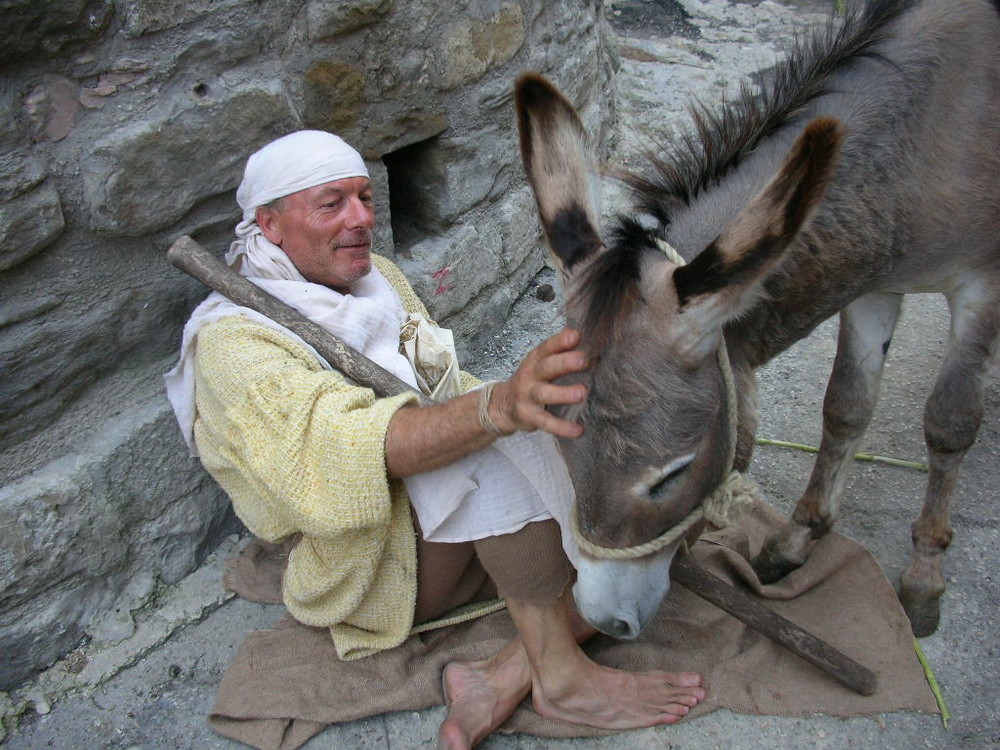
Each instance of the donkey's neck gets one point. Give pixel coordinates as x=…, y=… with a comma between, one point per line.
x=921, y=129
x=848, y=247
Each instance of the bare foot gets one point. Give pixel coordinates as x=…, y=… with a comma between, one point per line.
x=608, y=698
x=568, y=686
x=481, y=696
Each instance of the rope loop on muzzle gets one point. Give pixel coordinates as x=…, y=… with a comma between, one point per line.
x=721, y=508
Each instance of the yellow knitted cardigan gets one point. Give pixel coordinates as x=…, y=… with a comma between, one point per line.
x=299, y=449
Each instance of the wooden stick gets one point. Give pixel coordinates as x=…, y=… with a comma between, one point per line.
x=195, y=260
x=779, y=629
x=192, y=258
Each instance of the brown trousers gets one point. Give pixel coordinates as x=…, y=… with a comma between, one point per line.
x=528, y=565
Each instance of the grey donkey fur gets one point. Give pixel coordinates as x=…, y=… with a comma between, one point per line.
x=893, y=189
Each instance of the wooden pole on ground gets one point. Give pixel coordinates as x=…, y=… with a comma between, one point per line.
x=779, y=629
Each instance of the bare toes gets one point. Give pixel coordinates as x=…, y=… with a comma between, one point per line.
x=685, y=679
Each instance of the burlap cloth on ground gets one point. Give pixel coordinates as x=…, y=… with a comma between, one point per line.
x=286, y=684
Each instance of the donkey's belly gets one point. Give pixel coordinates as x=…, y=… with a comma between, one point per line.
x=942, y=279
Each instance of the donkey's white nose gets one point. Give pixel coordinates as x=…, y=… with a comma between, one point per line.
x=618, y=597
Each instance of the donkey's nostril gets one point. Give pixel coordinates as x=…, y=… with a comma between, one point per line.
x=623, y=629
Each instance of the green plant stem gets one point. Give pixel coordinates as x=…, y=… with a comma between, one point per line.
x=858, y=456
x=932, y=681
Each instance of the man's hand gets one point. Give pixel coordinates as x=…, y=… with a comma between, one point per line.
x=520, y=402
x=429, y=437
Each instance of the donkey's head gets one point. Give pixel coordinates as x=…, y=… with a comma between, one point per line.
x=658, y=436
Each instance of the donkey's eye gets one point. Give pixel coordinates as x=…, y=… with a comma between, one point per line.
x=658, y=480
x=675, y=468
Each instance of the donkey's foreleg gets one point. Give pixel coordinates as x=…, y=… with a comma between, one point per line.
x=952, y=418
x=866, y=328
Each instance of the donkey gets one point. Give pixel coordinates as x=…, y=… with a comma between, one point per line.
x=866, y=167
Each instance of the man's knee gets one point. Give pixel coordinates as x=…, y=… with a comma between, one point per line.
x=529, y=565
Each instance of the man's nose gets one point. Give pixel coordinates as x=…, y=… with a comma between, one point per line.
x=360, y=213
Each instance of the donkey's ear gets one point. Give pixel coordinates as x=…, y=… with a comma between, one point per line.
x=553, y=150
x=727, y=277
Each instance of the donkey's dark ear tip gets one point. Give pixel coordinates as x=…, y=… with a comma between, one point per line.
x=827, y=129
x=532, y=85
x=532, y=77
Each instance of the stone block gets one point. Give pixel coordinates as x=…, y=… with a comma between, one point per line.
x=386, y=127
x=448, y=272
x=53, y=107
x=471, y=47
x=28, y=224
x=19, y=309
x=149, y=16
x=327, y=19
x=382, y=241
x=20, y=171
x=148, y=174
x=521, y=232
x=54, y=357
x=334, y=96
x=41, y=630
x=436, y=181
x=132, y=503
x=30, y=27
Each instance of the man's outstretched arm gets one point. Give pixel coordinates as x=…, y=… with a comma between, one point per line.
x=424, y=438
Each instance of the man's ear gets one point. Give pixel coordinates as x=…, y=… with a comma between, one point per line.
x=267, y=220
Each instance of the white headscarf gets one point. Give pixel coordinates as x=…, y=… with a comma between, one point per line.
x=295, y=162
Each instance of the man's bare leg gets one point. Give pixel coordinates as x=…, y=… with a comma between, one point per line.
x=547, y=661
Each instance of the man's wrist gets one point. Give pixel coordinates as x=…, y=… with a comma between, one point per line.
x=486, y=420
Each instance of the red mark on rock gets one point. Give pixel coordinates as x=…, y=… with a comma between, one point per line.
x=441, y=275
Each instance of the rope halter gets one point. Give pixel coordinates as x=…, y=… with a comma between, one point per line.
x=721, y=508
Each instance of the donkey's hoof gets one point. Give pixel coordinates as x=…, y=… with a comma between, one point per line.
x=771, y=567
x=924, y=612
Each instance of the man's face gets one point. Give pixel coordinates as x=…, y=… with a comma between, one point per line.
x=325, y=230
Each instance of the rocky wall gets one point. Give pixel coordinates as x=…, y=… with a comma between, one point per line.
x=125, y=124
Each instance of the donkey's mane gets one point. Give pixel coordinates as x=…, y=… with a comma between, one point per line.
x=722, y=137
x=720, y=140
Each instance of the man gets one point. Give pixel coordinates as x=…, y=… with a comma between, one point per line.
x=302, y=451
